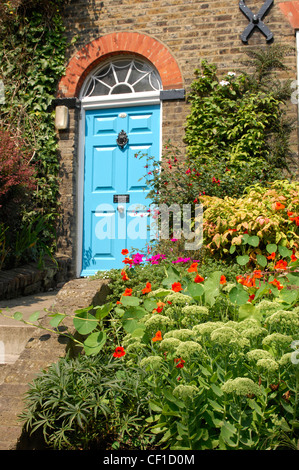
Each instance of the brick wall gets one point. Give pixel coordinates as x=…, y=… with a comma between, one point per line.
x=188, y=30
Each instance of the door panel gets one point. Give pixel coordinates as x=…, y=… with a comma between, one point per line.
x=110, y=171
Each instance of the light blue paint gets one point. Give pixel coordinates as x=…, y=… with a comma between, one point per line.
x=110, y=170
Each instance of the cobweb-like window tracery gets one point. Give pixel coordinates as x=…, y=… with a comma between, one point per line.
x=123, y=76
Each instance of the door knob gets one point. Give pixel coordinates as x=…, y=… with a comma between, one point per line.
x=120, y=209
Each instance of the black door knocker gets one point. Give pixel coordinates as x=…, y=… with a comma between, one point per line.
x=122, y=139
x=256, y=20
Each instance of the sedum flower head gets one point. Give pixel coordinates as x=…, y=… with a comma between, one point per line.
x=285, y=359
x=205, y=329
x=169, y=344
x=185, y=392
x=256, y=354
x=267, y=365
x=277, y=340
x=157, y=321
x=267, y=307
x=195, y=310
x=182, y=334
x=153, y=293
x=228, y=336
x=176, y=298
x=241, y=386
x=283, y=321
x=254, y=332
x=151, y=362
x=247, y=323
x=187, y=349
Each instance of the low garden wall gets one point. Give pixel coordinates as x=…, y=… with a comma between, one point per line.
x=31, y=279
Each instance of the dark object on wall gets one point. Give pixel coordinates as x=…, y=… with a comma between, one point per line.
x=256, y=20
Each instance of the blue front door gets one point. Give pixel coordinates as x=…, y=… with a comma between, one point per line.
x=115, y=208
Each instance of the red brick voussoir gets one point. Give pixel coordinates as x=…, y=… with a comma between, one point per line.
x=93, y=53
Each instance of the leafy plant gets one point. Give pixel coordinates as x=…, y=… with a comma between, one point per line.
x=245, y=226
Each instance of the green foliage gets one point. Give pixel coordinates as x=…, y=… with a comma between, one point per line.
x=93, y=402
x=199, y=364
x=32, y=55
x=235, y=119
x=245, y=226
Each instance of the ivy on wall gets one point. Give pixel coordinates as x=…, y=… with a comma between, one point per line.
x=32, y=60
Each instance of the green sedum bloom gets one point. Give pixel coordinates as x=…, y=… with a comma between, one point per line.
x=157, y=321
x=188, y=349
x=169, y=344
x=241, y=386
x=151, y=362
x=185, y=392
x=267, y=365
x=182, y=334
x=227, y=336
x=277, y=340
x=176, y=298
x=256, y=354
x=283, y=321
x=205, y=329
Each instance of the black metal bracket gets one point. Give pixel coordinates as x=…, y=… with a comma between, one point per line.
x=256, y=20
x=122, y=139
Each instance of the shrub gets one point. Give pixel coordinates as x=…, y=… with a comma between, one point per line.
x=264, y=216
x=16, y=172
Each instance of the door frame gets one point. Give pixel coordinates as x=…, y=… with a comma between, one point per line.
x=104, y=102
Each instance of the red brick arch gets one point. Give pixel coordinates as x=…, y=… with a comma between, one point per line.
x=119, y=43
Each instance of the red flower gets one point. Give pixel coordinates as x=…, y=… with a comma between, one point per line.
x=222, y=280
x=277, y=284
x=119, y=352
x=281, y=264
x=179, y=363
x=147, y=288
x=158, y=336
x=124, y=251
x=127, y=292
x=124, y=275
x=272, y=256
x=128, y=261
x=176, y=287
x=279, y=206
x=198, y=278
x=193, y=268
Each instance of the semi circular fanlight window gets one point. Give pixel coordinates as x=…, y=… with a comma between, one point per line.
x=122, y=76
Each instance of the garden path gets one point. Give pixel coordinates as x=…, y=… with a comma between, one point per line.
x=42, y=349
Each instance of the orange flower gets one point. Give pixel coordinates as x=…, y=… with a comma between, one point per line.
x=277, y=284
x=124, y=275
x=158, y=336
x=257, y=274
x=293, y=258
x=279, y=206
x=272, y=256
x=198, y=278
x=148, y=288
x=160, y=306
x=127, y=292
x=128, y=261
x=223, y=280
x=125, y=251
x=281, y=264
x=193, y=268
x=176, y=287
